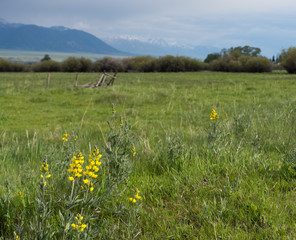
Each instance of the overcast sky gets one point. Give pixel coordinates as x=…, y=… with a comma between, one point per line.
x=268, y=24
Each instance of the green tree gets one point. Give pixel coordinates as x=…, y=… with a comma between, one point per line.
x=211, y=57
x=288, y=59
x=45, y=58
x=71, y=64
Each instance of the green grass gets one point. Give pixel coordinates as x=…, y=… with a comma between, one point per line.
x=232, y=178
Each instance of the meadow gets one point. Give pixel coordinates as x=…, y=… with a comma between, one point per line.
x=158, y=162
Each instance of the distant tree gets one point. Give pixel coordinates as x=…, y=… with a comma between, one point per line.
x=47, y=66
x=258, y=64
x=288, y=59
x=211, y=57
x=45, y=58
x=4, y=65
x=109, y=64
x=245, y=50
x=71, y=64
x=85, y=64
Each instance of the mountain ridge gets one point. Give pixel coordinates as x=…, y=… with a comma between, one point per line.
x=158, y=47
x=17, y=36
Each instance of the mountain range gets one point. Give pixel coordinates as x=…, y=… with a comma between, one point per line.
x=158, y=47
x=23, y=37
x=55, y=39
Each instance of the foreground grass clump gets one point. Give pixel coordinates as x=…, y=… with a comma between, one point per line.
x=205, y=156
x=74, y=198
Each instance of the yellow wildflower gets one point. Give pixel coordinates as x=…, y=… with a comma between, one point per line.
x=214, y=115
x=132, y=200
x=79, y=226
x=44, y=172
x=65, y=137
x=137, y=196
x=86, y=181
x=75, y=167
x=133, y=151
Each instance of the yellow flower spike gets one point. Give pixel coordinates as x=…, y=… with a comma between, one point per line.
x=79, y=226
x=65, y=139
x=71, y=178
x=138, y=190
x=138, y=197
x=41, y=176
x=214, y=115
x=133, y=151
x=86, y=181
x=95, y=169
x=131, y=199
x=48, y=176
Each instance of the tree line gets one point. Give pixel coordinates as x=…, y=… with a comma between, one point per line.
x=235, y=59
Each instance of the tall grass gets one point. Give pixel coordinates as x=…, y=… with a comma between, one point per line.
x=231, y=177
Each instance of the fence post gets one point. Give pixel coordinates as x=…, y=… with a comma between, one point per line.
x=76, y=81
x=48, y=80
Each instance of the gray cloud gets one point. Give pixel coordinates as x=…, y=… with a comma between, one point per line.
x=266, y=24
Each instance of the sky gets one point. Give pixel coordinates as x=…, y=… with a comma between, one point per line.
x=267, y=24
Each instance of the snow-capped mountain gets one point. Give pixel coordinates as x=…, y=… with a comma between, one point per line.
x=158, y=47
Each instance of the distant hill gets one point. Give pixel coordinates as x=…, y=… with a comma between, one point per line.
x=54, y=39
x=158, y=47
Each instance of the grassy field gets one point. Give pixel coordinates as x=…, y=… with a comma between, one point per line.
x=199, y=178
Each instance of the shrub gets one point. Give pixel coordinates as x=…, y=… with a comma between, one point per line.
x=140, y=64
x=170, y=63
x=47, y=66
x=71, y=64
x=242, y=63
x=85, y=64
x=258, y=64
x=110, y=64
x=289, y=60
x=4, y=65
